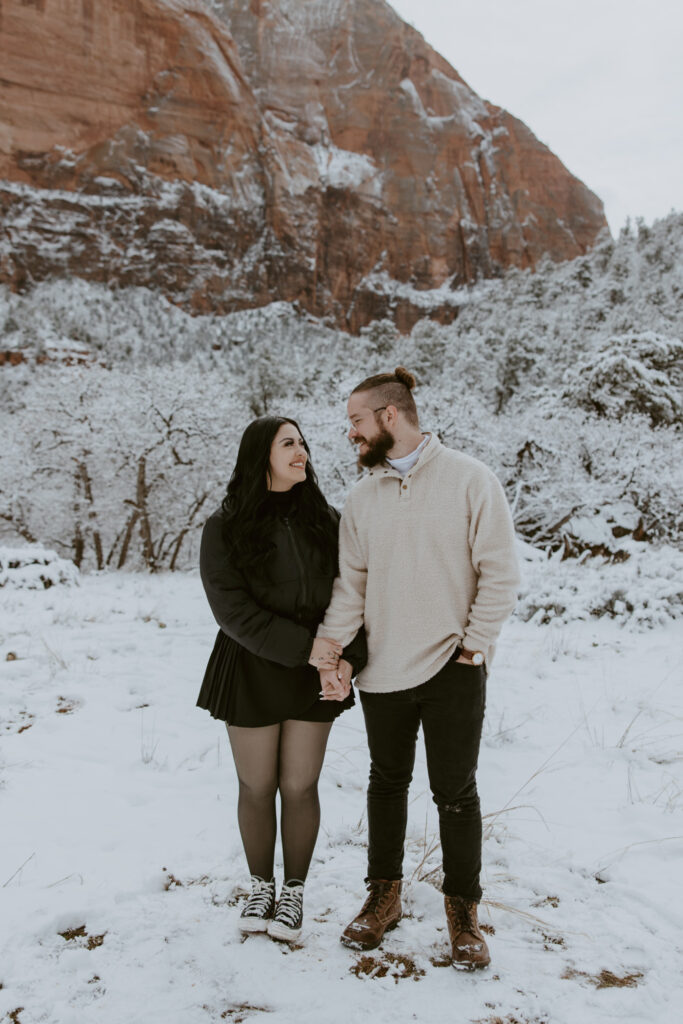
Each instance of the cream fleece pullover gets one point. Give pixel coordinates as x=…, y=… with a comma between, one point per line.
x=427, y=562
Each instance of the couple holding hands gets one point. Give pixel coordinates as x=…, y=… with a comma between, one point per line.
x=406, y=592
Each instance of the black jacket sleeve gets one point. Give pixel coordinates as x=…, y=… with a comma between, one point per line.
x=239, y=616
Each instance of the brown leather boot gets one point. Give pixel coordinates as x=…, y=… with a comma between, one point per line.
x=469, y=945
x=379, y=914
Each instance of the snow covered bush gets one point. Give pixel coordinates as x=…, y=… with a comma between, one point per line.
x=640, y=373
x=34, y=568
x=642, y=591
x=567, y=469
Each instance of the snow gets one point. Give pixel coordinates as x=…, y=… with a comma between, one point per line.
x=314, y=15
x=117, y=798
x=103, y=181
x=170, y=230
x=282, y=121
x=642, y=591
x=408, y=87
x=424, y=298
x=33, y=567
x=465, y=106
x=341, y=168
x=166, y=194
x=216, y=60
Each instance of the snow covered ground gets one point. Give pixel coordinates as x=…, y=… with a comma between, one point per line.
x=121, y=870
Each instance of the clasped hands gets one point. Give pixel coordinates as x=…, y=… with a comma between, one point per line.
x=335, y=671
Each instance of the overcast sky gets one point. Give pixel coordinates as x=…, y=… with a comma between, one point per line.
x=598, y=81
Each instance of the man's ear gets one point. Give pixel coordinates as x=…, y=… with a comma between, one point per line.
x=392, y=413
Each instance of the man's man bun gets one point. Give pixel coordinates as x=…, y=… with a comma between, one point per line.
x=392, y=389
x=405, y=377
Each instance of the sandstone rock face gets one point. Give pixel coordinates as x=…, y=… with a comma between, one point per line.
x=236, y=152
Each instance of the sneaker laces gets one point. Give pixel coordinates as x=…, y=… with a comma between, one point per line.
x=260, y=899
x=290, y=904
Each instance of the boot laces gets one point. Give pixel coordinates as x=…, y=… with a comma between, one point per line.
x=261, y=897
x=290, y=904
x=462, y=914
x=378, y=896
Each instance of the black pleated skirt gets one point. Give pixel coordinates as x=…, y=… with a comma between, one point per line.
x=241, y=688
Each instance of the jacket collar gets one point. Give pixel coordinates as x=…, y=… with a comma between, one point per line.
x=430, y=450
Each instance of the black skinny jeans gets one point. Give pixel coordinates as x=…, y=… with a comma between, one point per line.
x=450, y=707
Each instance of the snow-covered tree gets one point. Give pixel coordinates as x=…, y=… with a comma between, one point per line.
x=123, y=414
x=632, y=373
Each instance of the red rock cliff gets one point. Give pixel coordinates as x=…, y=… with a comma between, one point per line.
x=234, y=153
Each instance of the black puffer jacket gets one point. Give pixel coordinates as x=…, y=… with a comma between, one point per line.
x=273, y=610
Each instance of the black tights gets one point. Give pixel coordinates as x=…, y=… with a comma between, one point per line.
x=287, y=757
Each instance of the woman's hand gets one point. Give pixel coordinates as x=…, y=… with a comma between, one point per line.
x=325, y=653
x=336, y=683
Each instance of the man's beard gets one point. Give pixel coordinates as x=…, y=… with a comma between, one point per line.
x=377, y=449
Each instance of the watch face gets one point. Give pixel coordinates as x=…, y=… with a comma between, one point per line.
x=478, y=658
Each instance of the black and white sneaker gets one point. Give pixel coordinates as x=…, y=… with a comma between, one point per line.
x=259, y=908
x=289, y=913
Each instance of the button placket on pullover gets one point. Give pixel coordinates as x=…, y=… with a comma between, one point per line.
x=404, y=487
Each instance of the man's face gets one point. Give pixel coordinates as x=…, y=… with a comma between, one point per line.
x=368, y=433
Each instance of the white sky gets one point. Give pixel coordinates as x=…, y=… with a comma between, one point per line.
x=598, y=81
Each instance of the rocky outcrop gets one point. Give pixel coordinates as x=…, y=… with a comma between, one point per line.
x=236, y=152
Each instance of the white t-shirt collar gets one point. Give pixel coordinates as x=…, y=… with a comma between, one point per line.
x=406, y=462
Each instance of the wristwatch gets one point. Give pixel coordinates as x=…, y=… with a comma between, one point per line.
x=476, y=657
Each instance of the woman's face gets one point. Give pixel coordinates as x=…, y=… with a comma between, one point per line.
x=288, y=459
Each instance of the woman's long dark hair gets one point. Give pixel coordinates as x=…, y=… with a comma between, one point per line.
x=249, y=517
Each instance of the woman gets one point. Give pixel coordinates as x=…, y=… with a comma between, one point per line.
x=268, y=560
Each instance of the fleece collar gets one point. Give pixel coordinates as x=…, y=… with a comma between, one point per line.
x=430, y=451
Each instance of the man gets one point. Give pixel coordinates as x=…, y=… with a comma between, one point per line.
x=427, y=562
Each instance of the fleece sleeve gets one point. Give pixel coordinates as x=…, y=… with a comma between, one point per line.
x=346, y=610
x=494, y=559
x=262, y=632
x=356, y=653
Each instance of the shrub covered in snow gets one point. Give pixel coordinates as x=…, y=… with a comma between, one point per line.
x=643, y=590
x=34, y=568
x=640, y=373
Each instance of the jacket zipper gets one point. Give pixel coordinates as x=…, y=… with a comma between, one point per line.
x=299, y=563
